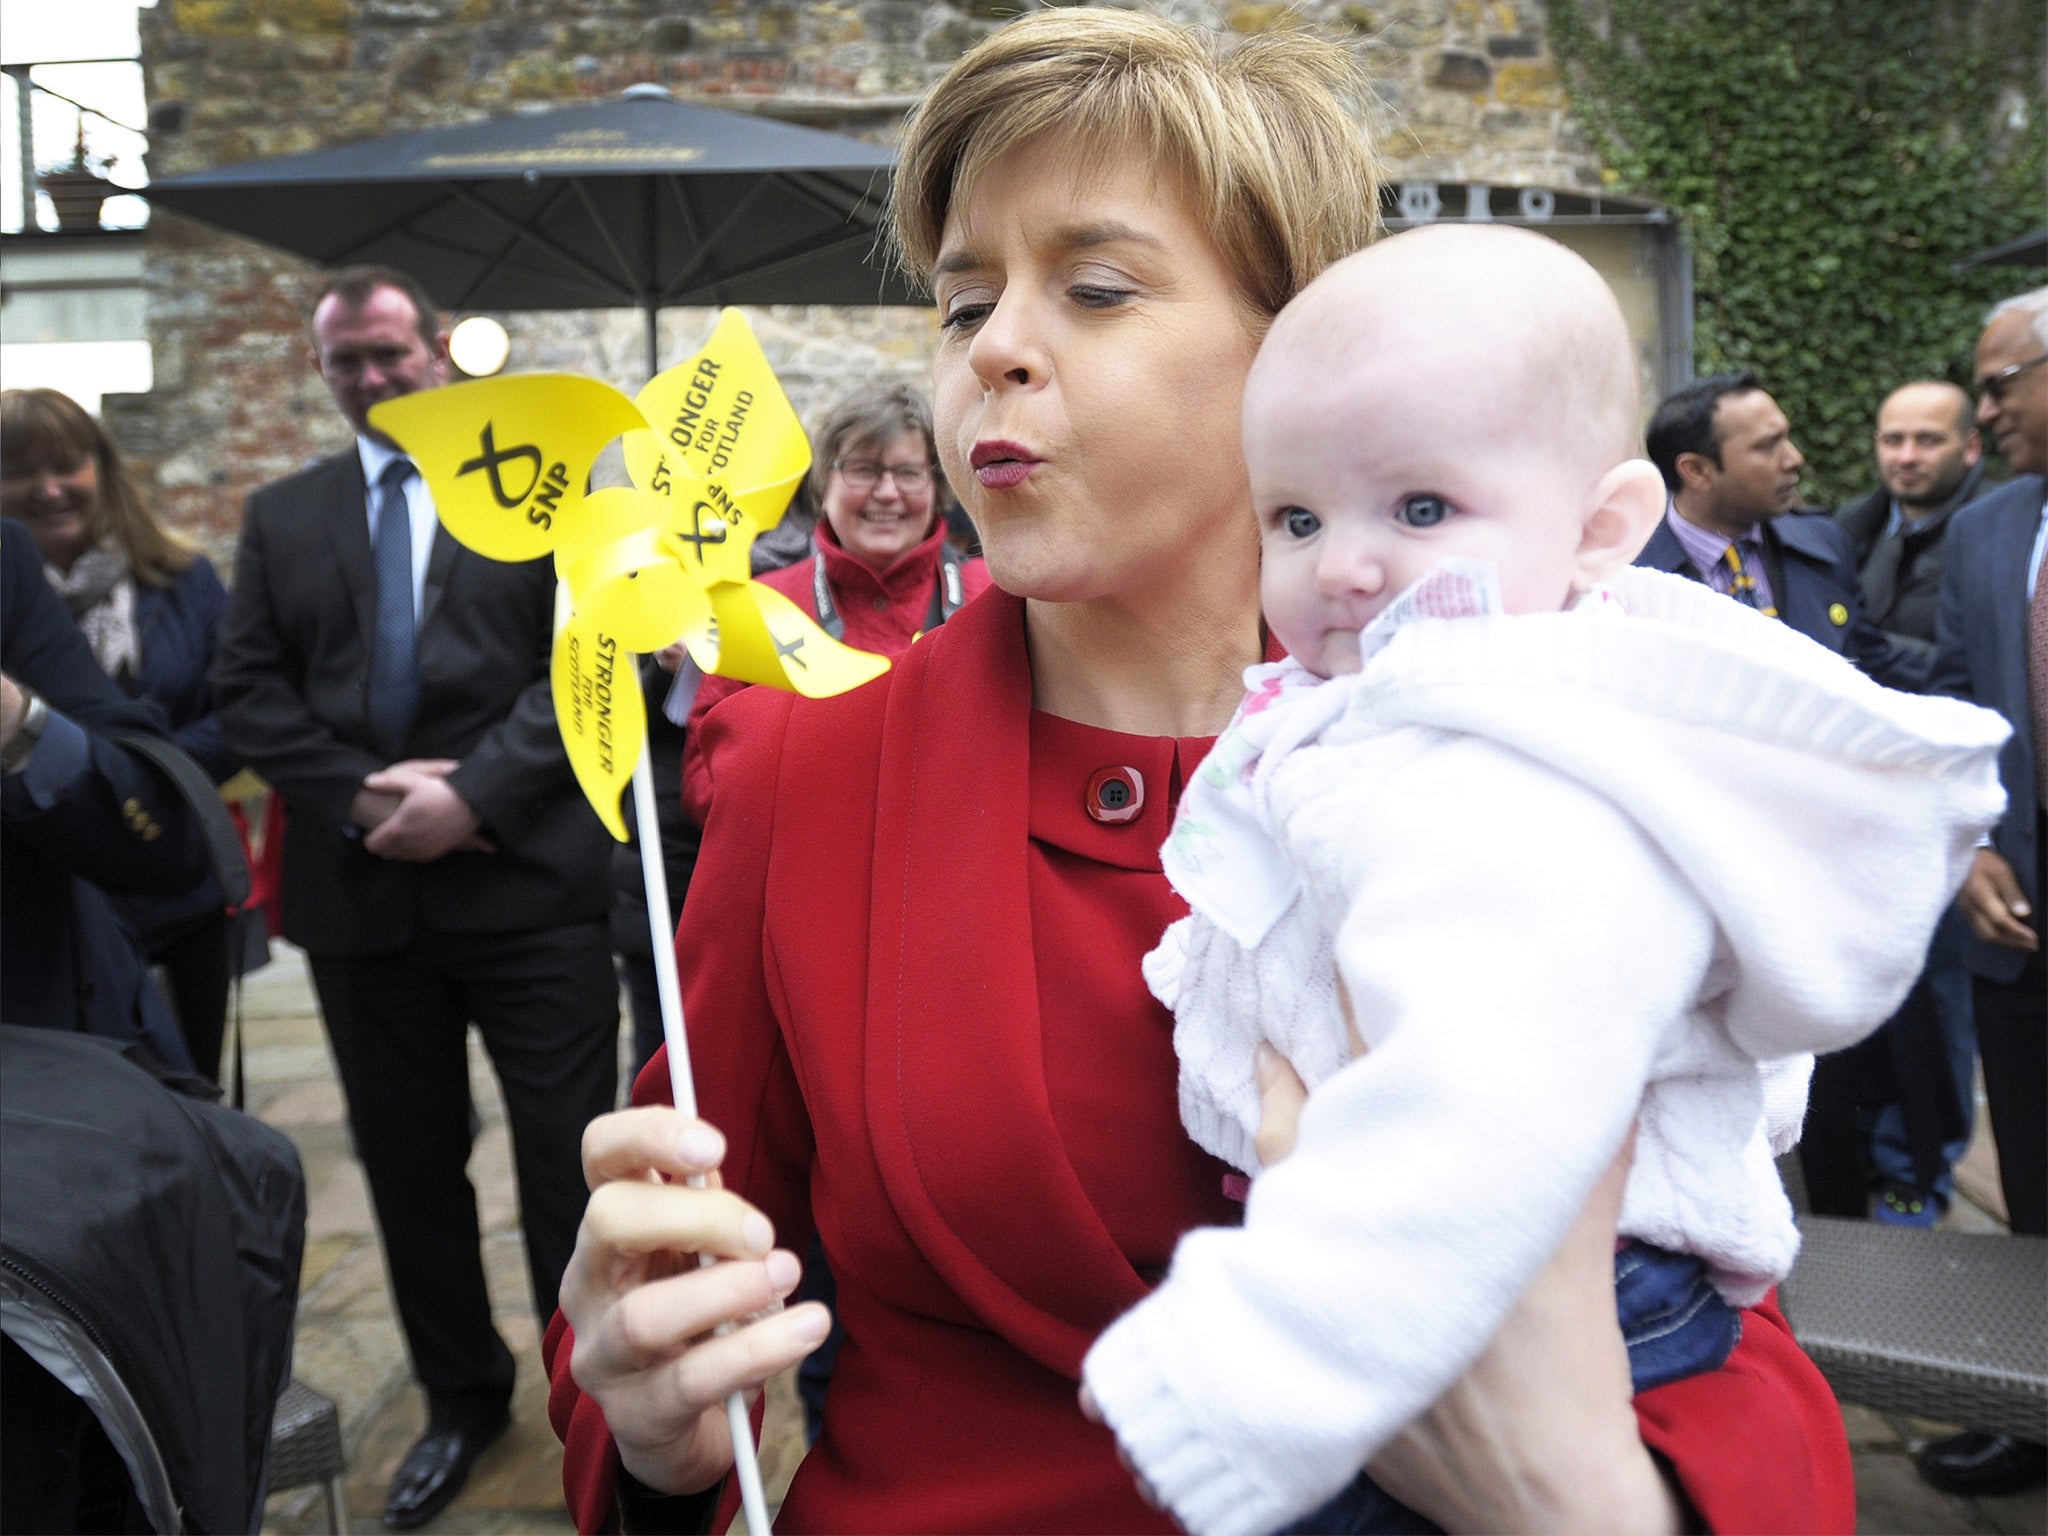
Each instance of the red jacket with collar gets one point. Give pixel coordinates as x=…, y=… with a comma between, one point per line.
x=862, y=995
x=883, y=614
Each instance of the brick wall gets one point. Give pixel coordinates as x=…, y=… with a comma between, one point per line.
x=1467, y=88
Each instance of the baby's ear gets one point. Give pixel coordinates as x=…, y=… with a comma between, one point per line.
x=1621, y=515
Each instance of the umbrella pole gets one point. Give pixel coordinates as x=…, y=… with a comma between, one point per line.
x=652, y=314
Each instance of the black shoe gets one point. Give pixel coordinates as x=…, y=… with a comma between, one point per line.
x=435, y=1469
x=1974, y=1464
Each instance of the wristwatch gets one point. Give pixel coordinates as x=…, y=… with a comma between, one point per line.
x=35, y=717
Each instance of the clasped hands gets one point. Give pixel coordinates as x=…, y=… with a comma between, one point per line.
x=412, y=813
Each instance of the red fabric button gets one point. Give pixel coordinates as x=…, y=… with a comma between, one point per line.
x=1115, y=795
x=881, y=605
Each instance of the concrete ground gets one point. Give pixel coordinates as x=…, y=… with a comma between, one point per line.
x=350, y=1349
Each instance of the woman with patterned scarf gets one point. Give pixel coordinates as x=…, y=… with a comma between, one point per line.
x=150, y=606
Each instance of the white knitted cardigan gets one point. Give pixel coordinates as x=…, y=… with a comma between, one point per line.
x=1573, y=874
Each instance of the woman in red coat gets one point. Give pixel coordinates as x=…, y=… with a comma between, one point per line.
x=913, y=940
x=881, y=572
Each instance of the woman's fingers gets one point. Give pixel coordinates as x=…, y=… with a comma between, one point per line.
x=744, y=1359
x=666, y=1420
x=631, y=1143
x=629, y=1218
x=652, y=1324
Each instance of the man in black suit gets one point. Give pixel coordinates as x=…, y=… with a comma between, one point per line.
x=1930, y=462
x=440, y=866
x=1992, y=649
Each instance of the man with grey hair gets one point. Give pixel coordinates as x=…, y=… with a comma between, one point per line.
x=1992, y=648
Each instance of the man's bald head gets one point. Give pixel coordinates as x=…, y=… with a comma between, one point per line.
x=1927, y=443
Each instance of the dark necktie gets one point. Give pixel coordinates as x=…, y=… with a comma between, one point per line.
x=394, y=672
x=1742, y=585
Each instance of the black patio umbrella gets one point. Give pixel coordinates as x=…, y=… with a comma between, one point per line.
x=643, y=201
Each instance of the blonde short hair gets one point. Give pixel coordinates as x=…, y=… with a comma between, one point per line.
x=1264, y=133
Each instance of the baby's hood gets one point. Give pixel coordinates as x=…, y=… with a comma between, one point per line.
x=1825, y=820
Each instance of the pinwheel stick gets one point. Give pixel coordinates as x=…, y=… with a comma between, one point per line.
x=669, y=986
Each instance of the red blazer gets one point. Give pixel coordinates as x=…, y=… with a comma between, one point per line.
x=863, y=1005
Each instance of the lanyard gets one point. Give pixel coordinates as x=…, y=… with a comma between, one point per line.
x=947, y=594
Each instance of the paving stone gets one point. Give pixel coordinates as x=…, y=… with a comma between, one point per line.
x=302, y=1105
x=506, y=1276
x=287, y=1063
x=1977, y=1174
x=524, y=1470
x=1867, y=1427
x=1890, y=1497
x=340, y=1204
x=320, y=1256
x=497, y=1189
x=2019, y=1514
x=357, y=1287
x=354, y=1360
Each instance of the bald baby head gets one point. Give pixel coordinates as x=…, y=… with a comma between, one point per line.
x=1498, y=319
x=1456, y=390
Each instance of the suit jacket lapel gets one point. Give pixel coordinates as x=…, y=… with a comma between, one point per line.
x=2011, y=545
x=1663, y=552
x=440, y=561
x=962, y=1121
x=348, y=530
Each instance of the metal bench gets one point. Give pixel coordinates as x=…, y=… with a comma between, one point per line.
x=1936, y=1325
x=305, y=1447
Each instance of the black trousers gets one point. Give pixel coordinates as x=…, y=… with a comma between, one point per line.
x=546, y=1003
x=2012, y=1039
x=199, y=967
x=1906, y=1062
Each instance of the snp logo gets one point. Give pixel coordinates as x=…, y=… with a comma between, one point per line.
x=544, y=488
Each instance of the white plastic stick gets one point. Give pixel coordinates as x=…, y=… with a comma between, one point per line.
x=647, y=824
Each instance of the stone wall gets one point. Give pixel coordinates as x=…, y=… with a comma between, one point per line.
x=1467, y=90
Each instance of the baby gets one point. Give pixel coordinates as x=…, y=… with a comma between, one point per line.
x=1577, y=846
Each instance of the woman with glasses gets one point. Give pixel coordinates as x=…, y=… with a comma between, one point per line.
x=882, y=572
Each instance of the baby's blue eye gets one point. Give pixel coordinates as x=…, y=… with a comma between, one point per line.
x=1299, y=522
x=1424, y=511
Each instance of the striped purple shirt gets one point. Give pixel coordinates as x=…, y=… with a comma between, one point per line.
x=1708, y=551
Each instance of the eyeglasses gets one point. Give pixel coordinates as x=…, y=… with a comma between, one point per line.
x=1994, y=385
x=866, y=474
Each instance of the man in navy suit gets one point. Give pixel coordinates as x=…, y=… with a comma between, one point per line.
x=1991, y=647
x=1728, y=460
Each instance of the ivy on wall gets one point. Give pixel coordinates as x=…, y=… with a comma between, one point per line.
x=1832, y=160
